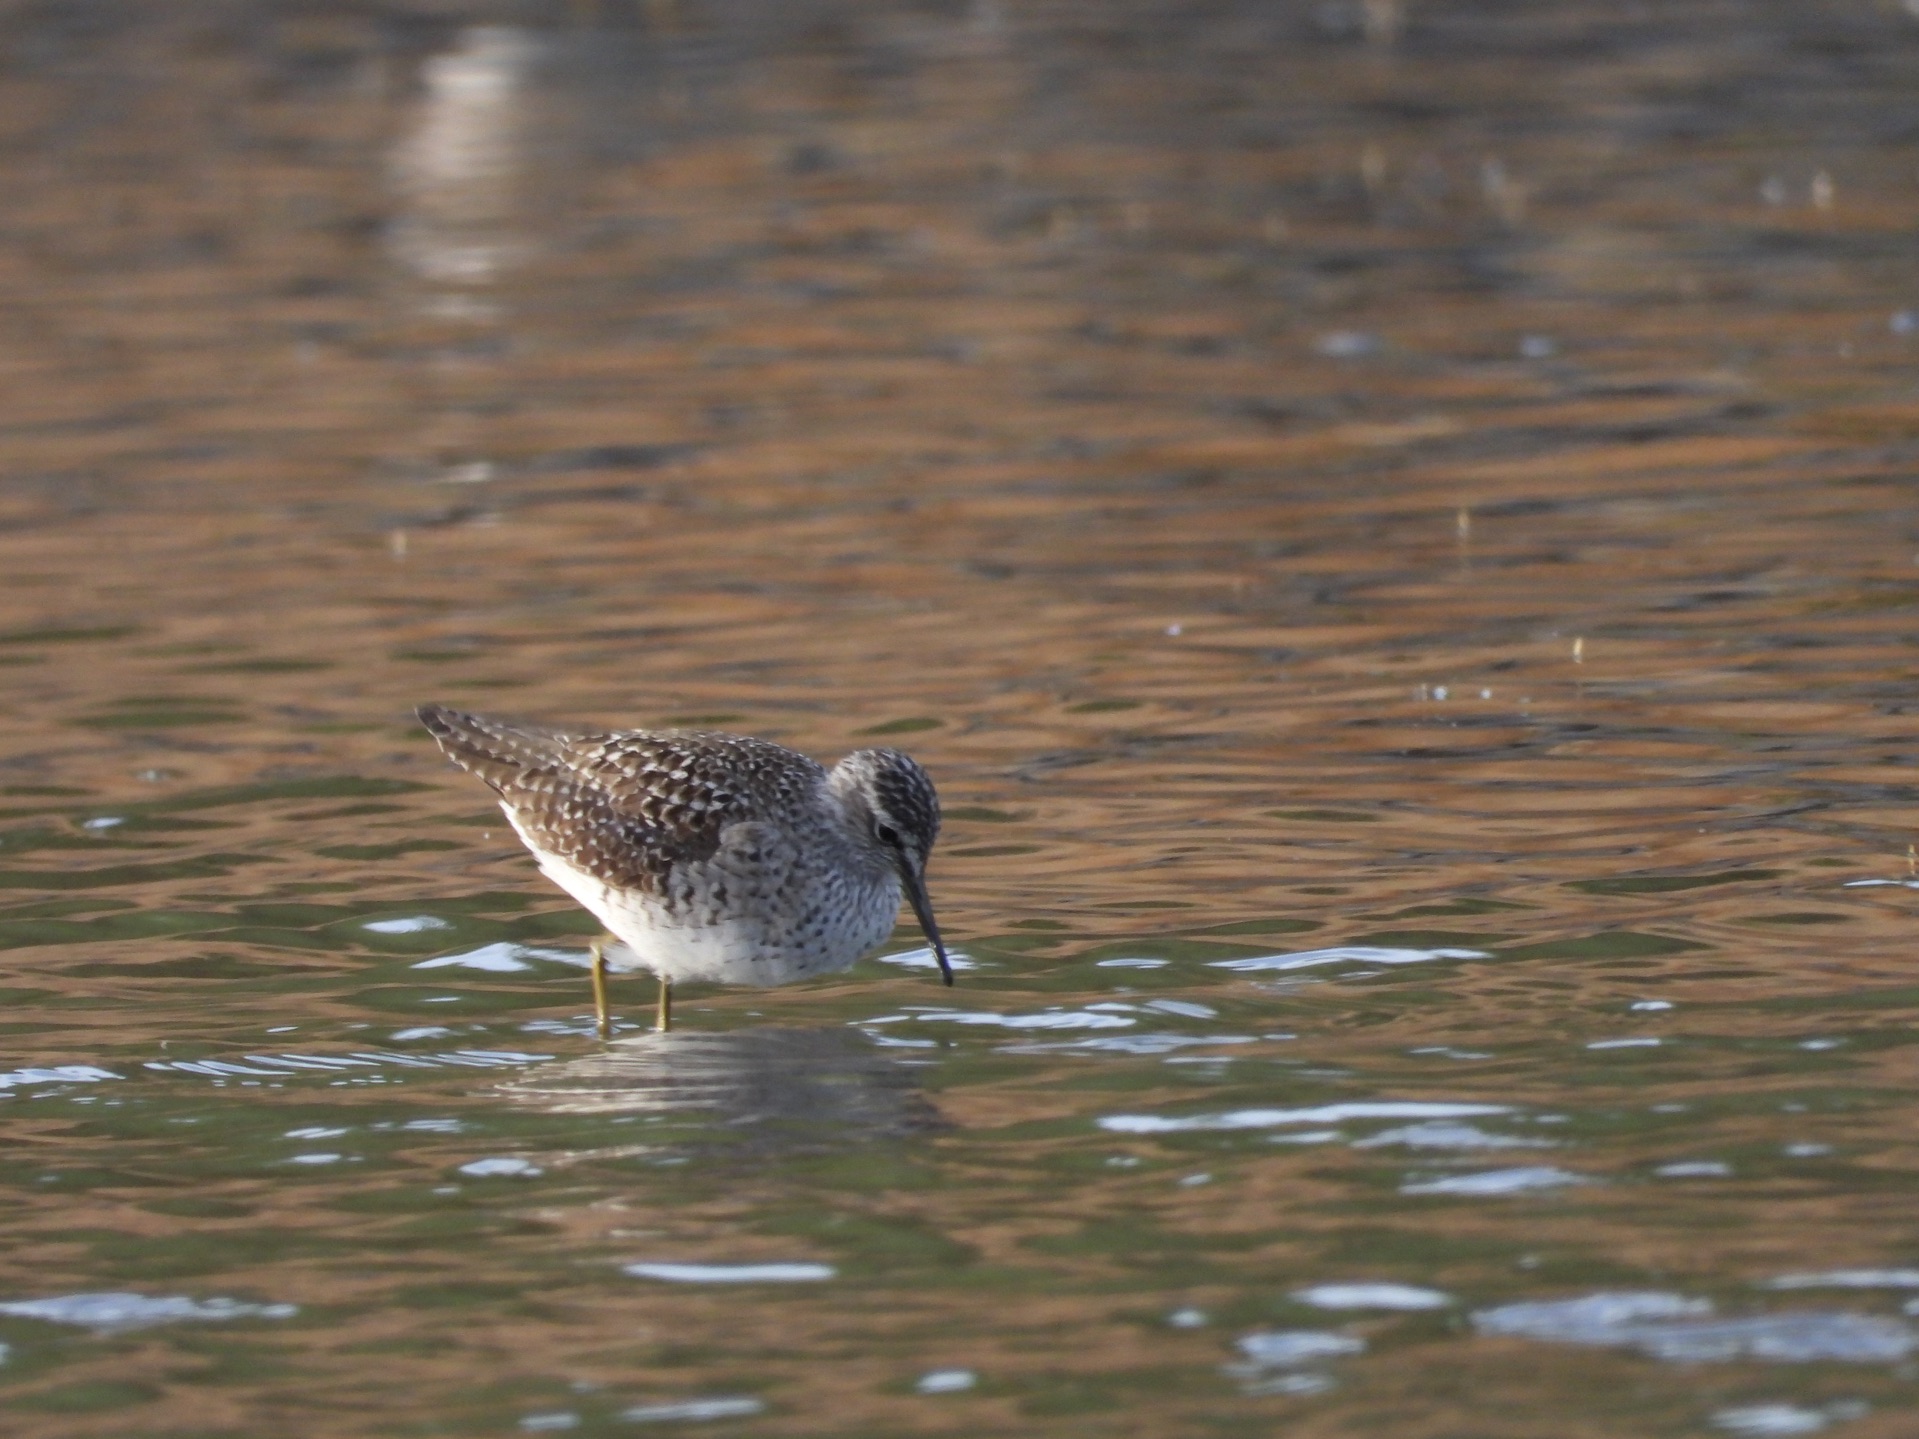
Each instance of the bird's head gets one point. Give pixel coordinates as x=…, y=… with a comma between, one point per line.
x=891, y=800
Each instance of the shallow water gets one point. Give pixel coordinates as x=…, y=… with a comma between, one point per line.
x=1390, y=524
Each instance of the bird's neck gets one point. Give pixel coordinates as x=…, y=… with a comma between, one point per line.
x=850, y=818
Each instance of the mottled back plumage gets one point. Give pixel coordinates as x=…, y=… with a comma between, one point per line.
x=626, y=806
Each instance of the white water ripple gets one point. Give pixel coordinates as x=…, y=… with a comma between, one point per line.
x=731, y=1273
x=55, y=1074
x=1343, y=954
x=1685, y=1331
x=1396, y=1298
x=1528, y=1179
x=1280, y=1118
x=110, y=1312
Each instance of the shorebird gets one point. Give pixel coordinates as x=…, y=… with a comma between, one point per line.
x=712, y=856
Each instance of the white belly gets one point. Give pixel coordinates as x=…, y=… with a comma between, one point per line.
x=762, y=946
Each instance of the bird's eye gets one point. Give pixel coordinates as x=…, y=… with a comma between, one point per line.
x=886, y=834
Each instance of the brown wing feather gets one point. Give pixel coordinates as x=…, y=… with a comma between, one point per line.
x=495, y=750
x=626, y=806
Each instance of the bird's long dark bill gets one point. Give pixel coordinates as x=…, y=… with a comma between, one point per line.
x=923, y=912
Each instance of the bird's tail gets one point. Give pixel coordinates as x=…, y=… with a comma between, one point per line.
x=498, y=751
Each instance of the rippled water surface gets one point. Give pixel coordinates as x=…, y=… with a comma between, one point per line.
x=1390, y=523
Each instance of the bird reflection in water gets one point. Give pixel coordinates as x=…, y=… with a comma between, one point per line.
x=777, y=1089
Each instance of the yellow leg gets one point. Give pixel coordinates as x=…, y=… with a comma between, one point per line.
x=599, y=988
x=663, y=1019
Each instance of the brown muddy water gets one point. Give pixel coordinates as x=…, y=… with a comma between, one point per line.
x=1391, y=524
